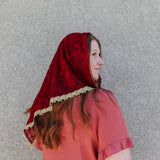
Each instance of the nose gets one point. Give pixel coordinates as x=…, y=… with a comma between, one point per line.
x=100, y=61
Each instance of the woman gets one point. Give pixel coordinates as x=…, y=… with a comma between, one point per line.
x=72, y=117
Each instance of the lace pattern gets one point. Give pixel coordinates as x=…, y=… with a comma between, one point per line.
x=58, y=99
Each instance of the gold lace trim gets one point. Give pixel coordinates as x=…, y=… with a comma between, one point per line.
x=58, y=99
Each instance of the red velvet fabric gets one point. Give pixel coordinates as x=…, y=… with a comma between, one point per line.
x=68, y=71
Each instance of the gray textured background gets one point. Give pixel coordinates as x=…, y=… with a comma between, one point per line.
x=129, y=31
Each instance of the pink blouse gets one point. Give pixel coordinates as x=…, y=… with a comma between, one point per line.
x=106, y=135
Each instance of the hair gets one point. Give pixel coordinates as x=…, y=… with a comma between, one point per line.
x=89, y=38
x=48, y=126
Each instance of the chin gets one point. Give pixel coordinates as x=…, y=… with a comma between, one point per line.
x=96, y=79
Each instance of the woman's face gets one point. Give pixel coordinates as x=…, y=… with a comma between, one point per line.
x=95, y=60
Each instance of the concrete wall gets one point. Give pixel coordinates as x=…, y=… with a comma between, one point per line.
x=129, y=31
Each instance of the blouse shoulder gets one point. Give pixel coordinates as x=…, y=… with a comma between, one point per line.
x=101, y=92
x=102, y=95
x=104, y=92
x=101, y=101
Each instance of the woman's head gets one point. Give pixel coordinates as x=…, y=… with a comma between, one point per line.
x=83, y=52
x=95, y=60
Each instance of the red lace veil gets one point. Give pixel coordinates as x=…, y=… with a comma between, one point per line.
x=68, y=76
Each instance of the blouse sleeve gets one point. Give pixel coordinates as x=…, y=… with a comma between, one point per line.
x=38, y=145
x=110, y=127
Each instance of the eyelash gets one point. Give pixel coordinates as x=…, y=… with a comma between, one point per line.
x=95, y=54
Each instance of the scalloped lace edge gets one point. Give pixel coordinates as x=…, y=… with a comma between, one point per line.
x=58, y=99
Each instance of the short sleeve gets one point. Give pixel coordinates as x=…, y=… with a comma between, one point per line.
x=112, y=133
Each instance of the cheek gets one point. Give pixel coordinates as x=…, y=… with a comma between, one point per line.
x=91, y=63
